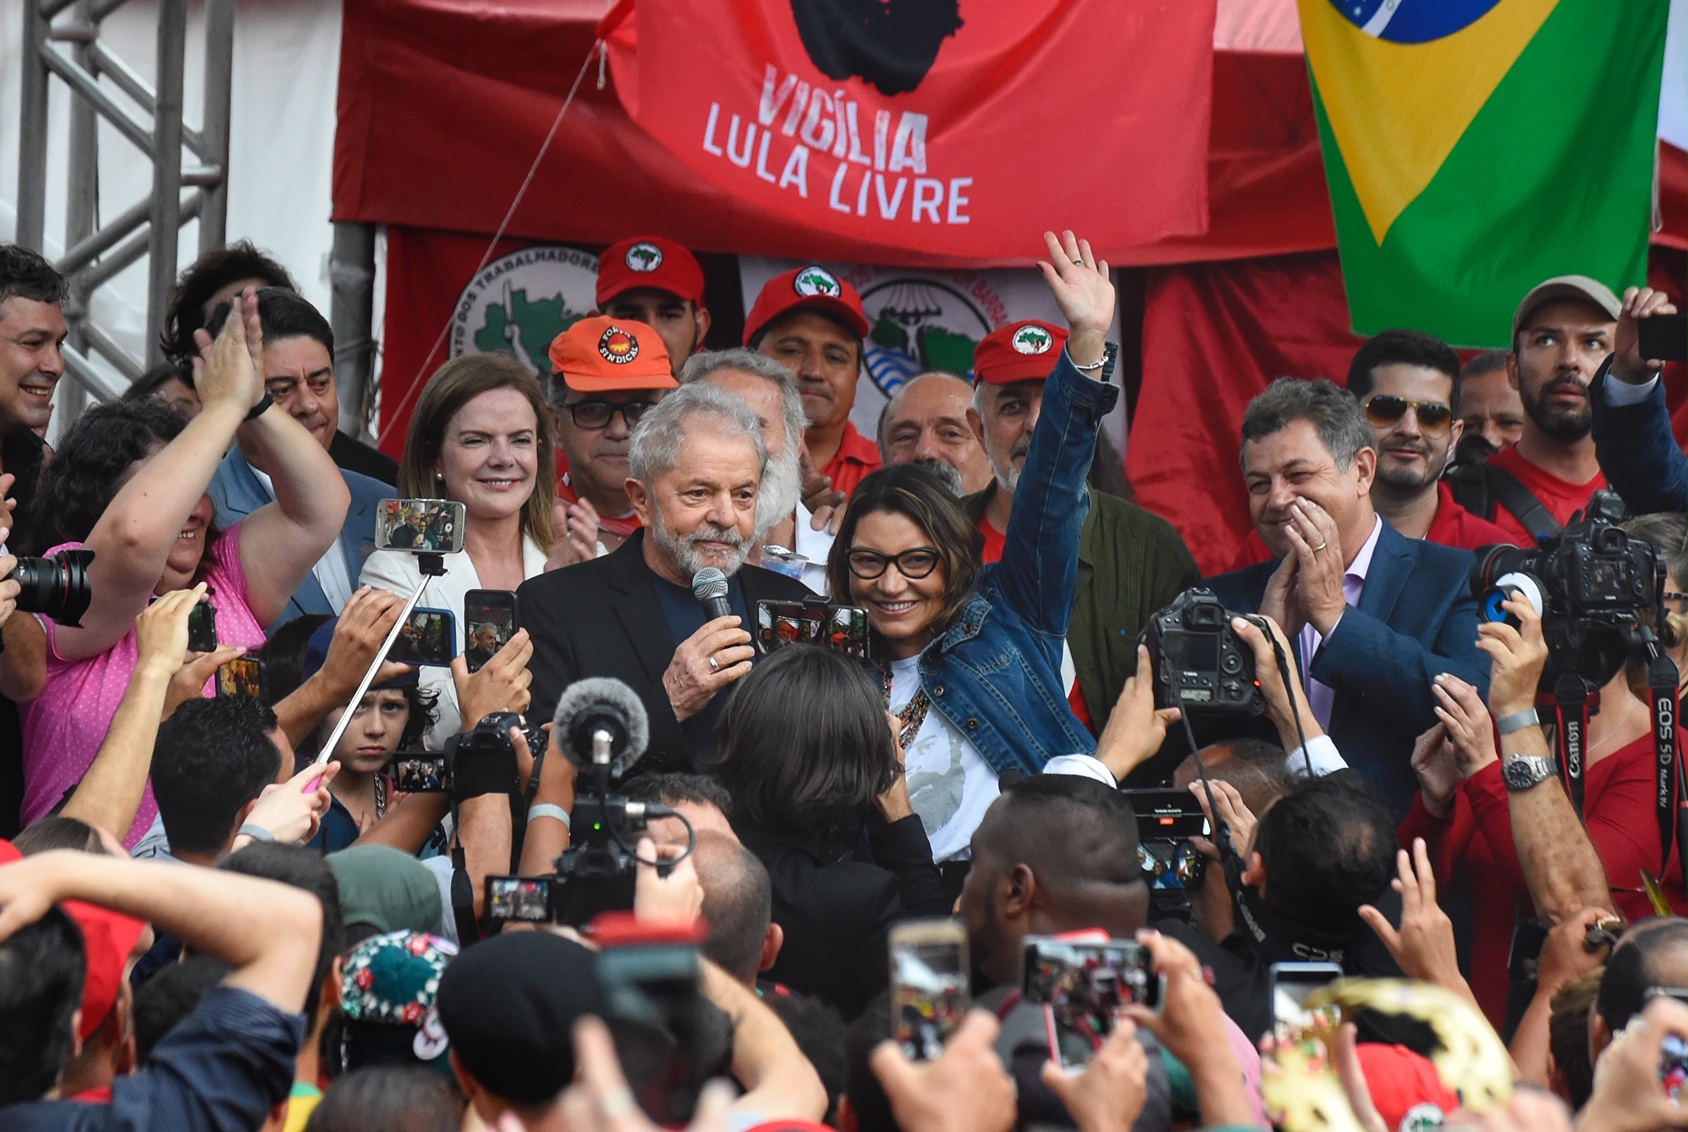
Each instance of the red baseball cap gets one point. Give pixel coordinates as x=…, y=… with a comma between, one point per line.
x=107, y=939
x=605, y=355
x=1405, y=1087
x=649, y=261
x=806, y=288
x=1019, y=351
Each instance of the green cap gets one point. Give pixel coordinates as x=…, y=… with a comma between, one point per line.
x=387, y=889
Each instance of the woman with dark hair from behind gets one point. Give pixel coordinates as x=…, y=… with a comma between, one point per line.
x=385, y=1099
x=819, y=795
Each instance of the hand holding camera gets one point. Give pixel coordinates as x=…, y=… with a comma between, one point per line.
x=500, y=685
x=965, y=1090
x=1518, y=656
x=161, y=632
x=1285, y=702
x=1108, y=1095
x=1136, y=729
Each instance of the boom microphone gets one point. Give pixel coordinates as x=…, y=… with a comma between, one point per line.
x=601, y=705
x=709, y=586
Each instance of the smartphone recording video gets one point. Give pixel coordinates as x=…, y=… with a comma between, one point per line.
x=1292, y=1019
x=202, y=628
x=429, y=636
x=243, y=676
x=1082, y=986
x=489, y=621
x=930, y=991
x=841, y=628
x=419, y=526
x=421, y=773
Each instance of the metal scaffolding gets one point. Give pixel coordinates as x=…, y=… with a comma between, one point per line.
x=61, y=39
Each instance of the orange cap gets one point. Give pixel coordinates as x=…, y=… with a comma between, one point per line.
x=1020, y=351
x=604, y=355
x=812, y=288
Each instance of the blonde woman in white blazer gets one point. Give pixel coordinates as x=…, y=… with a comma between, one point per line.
x=480, y=436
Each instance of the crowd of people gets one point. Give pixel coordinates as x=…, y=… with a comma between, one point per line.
x=291, y=848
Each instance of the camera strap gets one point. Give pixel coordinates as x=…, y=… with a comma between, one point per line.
x=1229, y=860
x=1661, y=694
x=1570, y=716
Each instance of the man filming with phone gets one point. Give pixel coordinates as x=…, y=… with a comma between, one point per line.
x=1633, y=440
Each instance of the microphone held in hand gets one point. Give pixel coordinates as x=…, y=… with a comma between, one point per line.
x=709, y=586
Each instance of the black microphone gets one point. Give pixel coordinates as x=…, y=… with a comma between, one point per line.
x=601, y=704
x=709, y=586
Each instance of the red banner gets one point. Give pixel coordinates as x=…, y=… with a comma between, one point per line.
x=915, y=124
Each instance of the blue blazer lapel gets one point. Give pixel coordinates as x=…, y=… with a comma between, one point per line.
x=357, y=534
x=1391, y=567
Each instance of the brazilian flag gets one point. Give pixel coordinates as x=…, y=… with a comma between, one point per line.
x=1476, y=147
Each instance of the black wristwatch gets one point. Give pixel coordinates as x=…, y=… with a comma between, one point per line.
x=1521, y=772
x=262, y=406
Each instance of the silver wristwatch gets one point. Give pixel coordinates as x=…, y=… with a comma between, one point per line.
x=1524, y=771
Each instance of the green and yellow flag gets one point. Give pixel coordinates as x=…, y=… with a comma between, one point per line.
x=1476, y=147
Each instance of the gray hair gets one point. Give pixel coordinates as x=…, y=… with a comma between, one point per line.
x=701, y=366
x=1665, y=530
x=1332, y=410
x=655, y=445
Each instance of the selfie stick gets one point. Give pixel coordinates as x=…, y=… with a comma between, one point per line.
x=431, y=566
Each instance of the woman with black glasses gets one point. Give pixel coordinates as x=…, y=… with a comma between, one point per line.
x=974, y=653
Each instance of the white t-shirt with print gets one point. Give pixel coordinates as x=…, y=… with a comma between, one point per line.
x=949, y=783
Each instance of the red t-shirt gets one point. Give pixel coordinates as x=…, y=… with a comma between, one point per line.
x=1455, y=526
x=994, y=544
x=1560, y=497
x=856, y=459
x=1473, y=844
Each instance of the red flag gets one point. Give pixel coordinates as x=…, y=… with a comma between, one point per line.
x=929, y=123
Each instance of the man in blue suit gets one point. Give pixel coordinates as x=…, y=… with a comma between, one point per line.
x=299, y=375
x=1371, y=616
x=1632, y=435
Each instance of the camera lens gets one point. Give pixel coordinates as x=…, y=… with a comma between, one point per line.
x=55, y=587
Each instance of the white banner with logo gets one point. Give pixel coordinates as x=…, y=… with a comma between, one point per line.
x=927, y=319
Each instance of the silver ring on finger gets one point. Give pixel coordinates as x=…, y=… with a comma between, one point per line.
x=714, y=665
x=1080, y=262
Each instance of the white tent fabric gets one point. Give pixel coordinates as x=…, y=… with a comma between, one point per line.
x=286, y=67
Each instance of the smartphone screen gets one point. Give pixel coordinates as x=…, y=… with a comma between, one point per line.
x=841, y=628
x=420, y=773
x=243, y=676
x=489, y=621
x=429, y=636
x=202, y=628
x=1083, y=985
x=930, y=991
x=518, y=899
x=420, y=526
x=1291, y=984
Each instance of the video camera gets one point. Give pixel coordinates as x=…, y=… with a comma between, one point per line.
x=1200, y=665
x=601, y=727
x=481, y=762
x=1590, y=583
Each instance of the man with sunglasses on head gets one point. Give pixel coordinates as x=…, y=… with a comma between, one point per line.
x=1408, y=385
x=605, y=373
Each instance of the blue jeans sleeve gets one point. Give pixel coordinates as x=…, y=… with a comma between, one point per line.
x=1637, y=450
x=1038, y=573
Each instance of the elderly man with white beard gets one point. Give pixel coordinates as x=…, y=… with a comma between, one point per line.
x=786, y=539
x=697, y=464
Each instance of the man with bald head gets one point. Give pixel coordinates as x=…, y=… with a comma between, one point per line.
x=738, y=902
x=925, y=422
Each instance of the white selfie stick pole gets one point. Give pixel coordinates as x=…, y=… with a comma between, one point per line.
x=380, y=658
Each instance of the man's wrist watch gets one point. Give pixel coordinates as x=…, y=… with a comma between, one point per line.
x=1521, y=772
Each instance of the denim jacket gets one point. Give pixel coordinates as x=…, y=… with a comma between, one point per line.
x=995, y=674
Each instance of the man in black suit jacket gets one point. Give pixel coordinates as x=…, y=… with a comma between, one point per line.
x=695, y=465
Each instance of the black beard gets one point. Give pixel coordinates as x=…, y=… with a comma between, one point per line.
x=1567, y=427
x=1406, y=481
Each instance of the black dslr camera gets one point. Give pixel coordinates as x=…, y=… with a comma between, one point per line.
x=481, y=762
x=1589, y=582
x=1200, y=665
x=600, y=726
x=55, y=587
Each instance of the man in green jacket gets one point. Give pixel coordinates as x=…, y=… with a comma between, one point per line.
x=1130, y=563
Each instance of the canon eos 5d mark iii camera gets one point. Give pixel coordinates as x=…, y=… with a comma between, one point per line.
x=1590, y=583
x=1200, y=665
